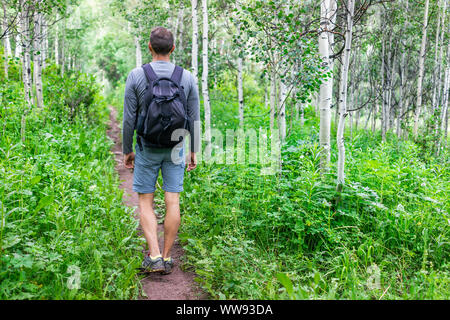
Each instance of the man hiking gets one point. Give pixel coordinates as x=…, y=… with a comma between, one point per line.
x=160, y=100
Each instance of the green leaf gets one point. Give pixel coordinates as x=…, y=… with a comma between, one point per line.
x=35, y=180
x=286, y=282
x=45, y=201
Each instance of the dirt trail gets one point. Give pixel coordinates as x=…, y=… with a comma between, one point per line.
x=178, y=285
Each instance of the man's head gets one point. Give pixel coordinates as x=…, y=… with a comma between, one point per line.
x=161, y=41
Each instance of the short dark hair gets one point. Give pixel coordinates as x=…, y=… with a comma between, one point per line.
x=161, y=40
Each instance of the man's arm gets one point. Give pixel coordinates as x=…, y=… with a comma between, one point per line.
x=193, y=109
x=130, y=106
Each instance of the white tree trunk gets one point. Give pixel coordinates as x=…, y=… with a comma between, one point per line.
x=37, y=59
x=57, y=43
x=357, y=117
x=63, y=49
x=44, y=40
x=18, y=48
x=205, y=89
x=441, y=51
x=282, y=112
x=446, y=98
x=401, y=90
x=436, y=65
x=178, y=27
x=240, y=93
x=194, y=40
x=273, y=97
x=180, y=37
x=6, y=42
x=137, y=43
x=444, y=112
x=403, y=75
x=26, y=61
x=383, y=91
x=421, y=70
x=266, y=99
x=390, y=95
x=326, y=88
x=343, y=95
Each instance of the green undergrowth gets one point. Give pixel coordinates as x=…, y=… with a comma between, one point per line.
x=64, y=232
x=291, y=236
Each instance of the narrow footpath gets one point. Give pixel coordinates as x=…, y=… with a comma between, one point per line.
x=178, y=285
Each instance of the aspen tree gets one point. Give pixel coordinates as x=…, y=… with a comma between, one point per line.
x=37, y=58
x=343, y=95
x=240, y=93
x=273, y=97
x=421, y=70
x=205, y=89
x=403, y=75
x=194, y=5
x=326, y=88
x=18, y=48
x=178, y=26
x=6, y=42
x=282, y=111
x=56, y=43
x=137, y=44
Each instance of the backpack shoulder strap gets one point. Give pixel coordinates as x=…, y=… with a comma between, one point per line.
x=149, y=73
x=177, y=75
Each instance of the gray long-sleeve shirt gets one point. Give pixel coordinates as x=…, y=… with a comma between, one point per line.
x=134, y=99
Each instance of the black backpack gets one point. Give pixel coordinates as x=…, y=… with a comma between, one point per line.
x=164, y=110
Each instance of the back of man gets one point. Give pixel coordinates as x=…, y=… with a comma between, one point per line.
x=149, y=160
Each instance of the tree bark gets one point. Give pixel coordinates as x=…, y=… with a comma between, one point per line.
x=403, y=75
x=273, y=97
x=6, y=42
x=26, y=60
x=180, y=37
x=383, y=91
x=391, y=93
x=326, y=88
x=282, y=112
x=421, y=71
x=444, y=112
x=56, y=43
x=18, y=48
x=343, y=96
x=137, y=43
x=436, y=63
x=205, y=89
x=194, y=5
x=37, y=59
x=63, y=49
x=240, y=93
x=178, y=27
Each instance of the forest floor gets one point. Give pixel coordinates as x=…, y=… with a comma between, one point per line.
x=179, y=285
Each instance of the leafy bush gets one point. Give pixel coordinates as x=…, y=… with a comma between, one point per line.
x=61, y=208
x=291, y=235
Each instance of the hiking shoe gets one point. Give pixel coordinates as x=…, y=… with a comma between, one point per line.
x=153, y=265
x=168, y=266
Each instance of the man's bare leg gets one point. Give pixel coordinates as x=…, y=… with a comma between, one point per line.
x=171, y=221
x=149, y=223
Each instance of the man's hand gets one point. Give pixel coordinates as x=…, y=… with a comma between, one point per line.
x=128, y=160
x=191, y=161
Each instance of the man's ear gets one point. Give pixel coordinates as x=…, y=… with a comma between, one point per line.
x=150, y=48
x=173, y=48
